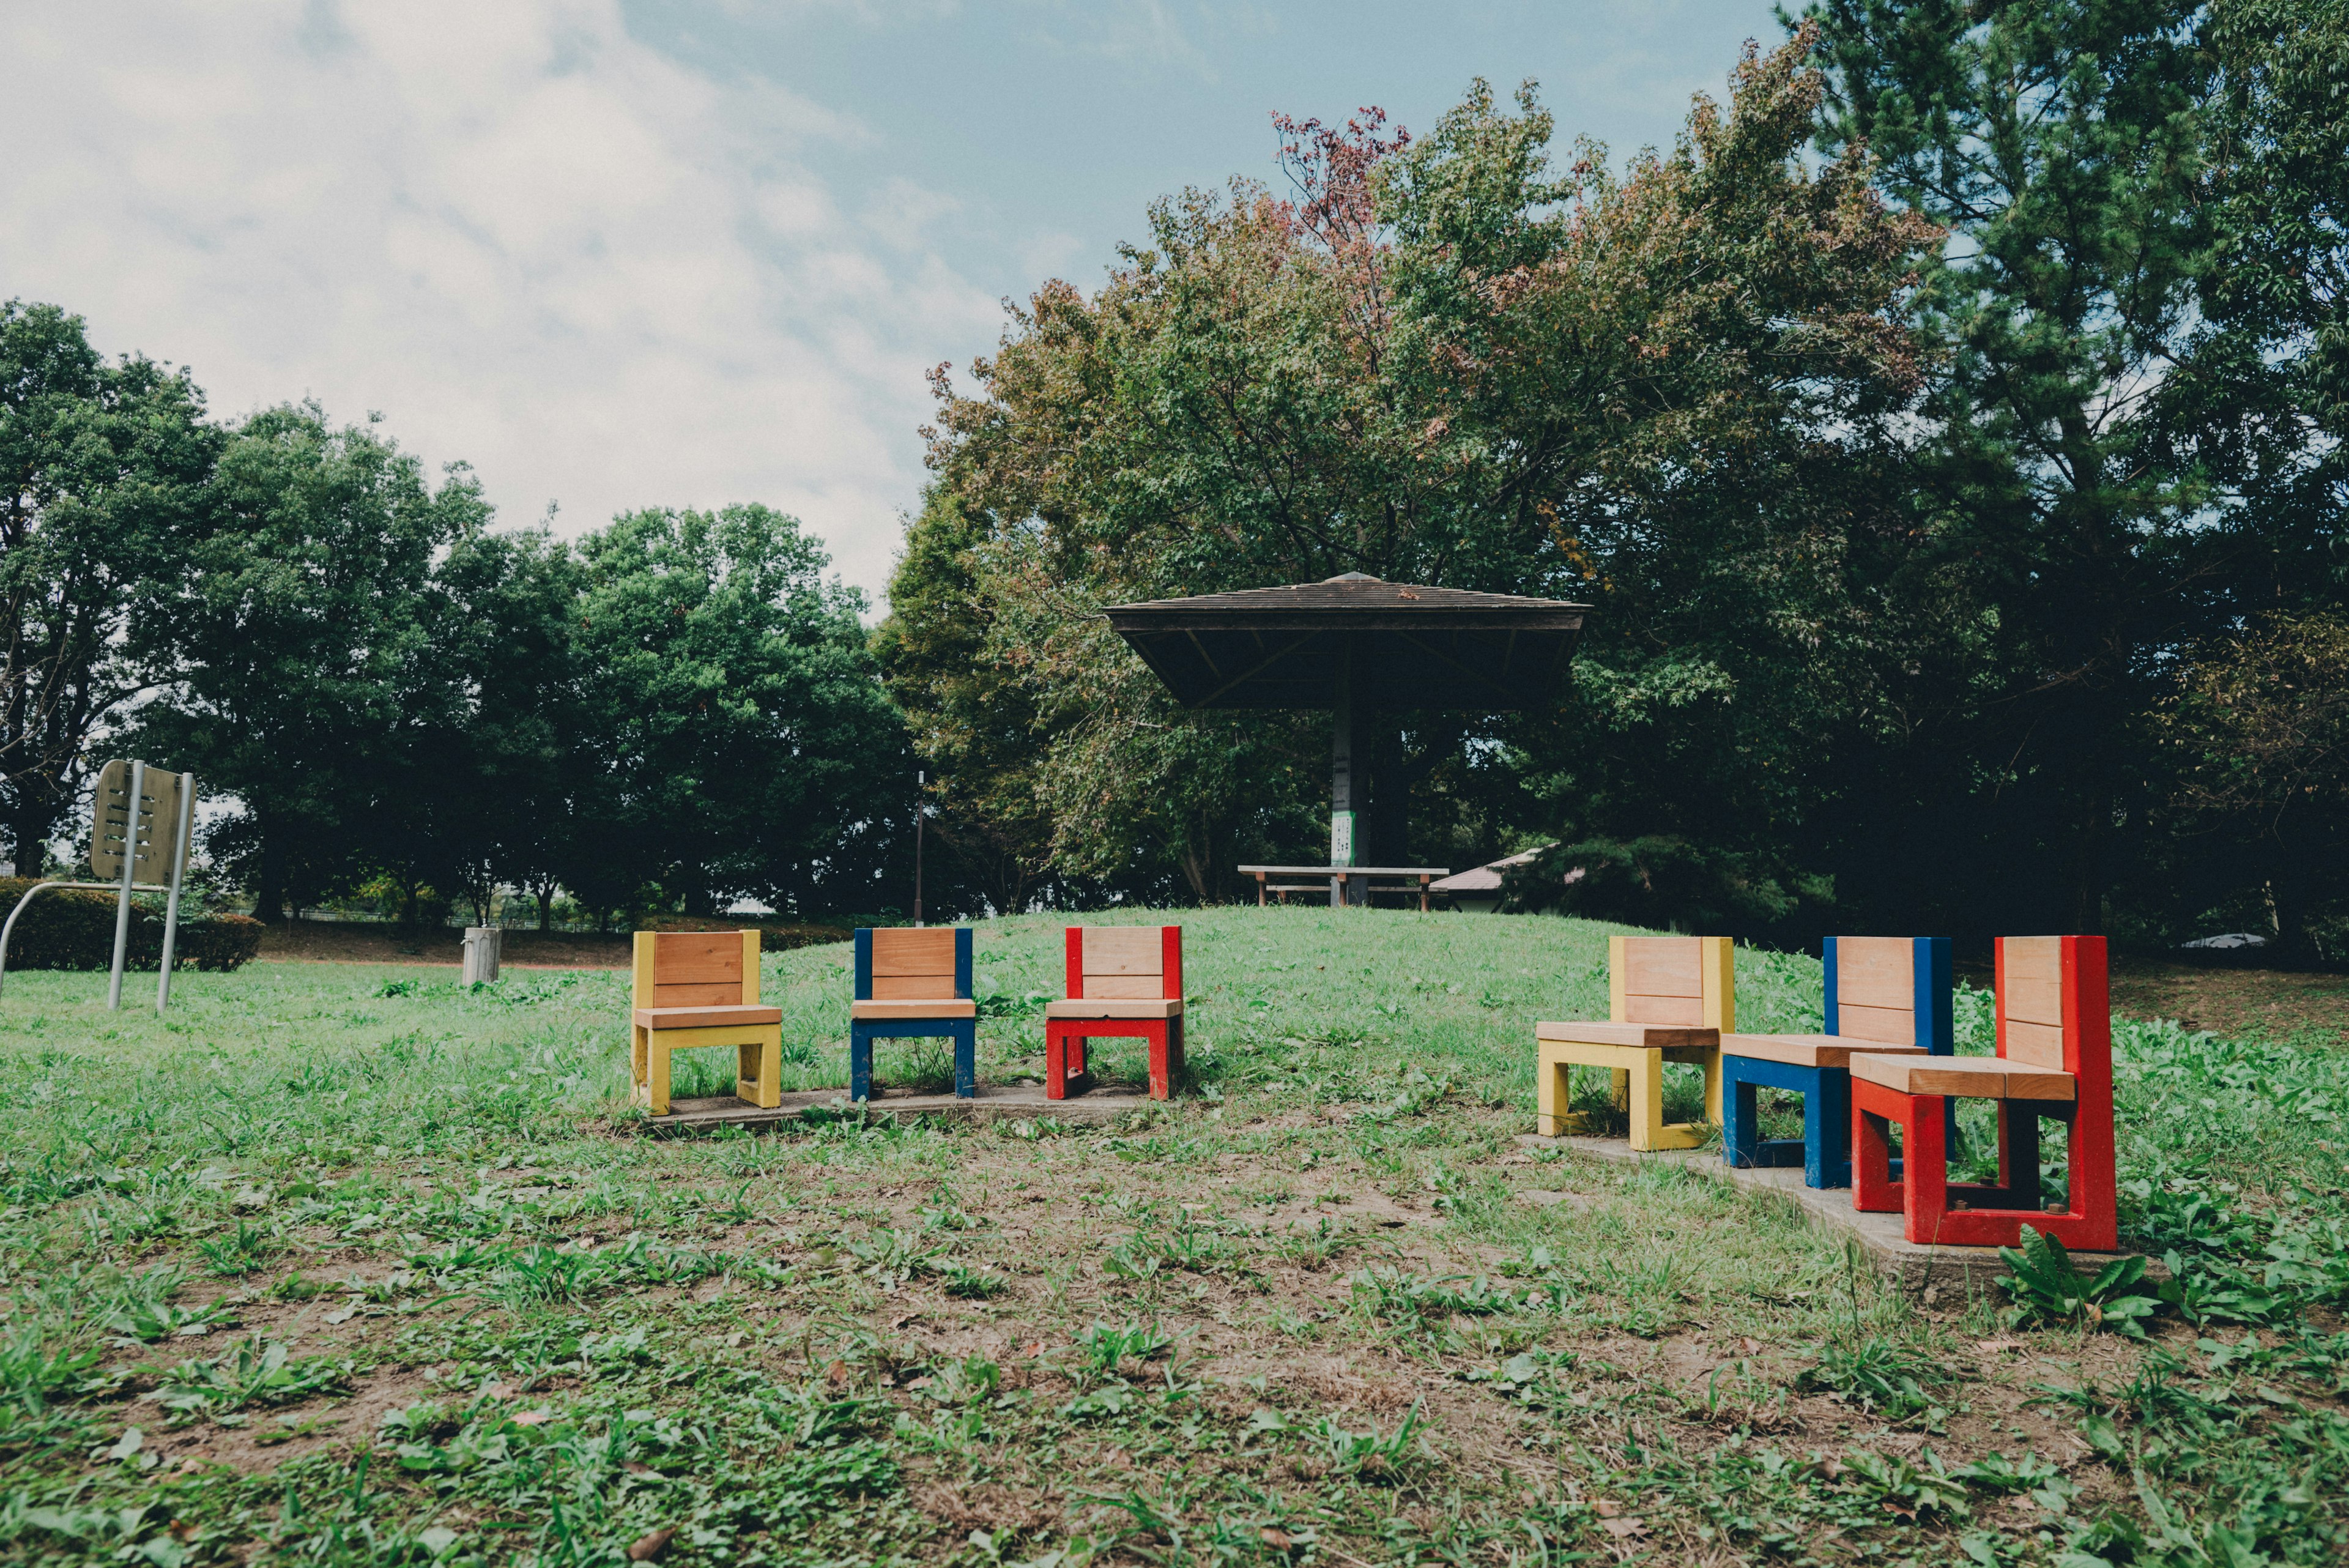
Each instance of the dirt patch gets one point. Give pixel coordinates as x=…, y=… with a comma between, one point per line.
x=324, y=941
x=2234, y=1000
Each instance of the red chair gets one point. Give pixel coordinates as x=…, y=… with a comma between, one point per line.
x=1126, y=982
x=2055, y=1061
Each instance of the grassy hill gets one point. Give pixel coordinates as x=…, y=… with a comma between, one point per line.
x=346, y=1264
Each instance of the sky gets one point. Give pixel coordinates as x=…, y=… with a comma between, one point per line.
x=618, y=254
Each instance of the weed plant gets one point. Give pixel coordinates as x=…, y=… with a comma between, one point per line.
x=339, y=1264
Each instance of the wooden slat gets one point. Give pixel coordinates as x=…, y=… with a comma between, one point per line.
x=905, y=950
x=1122, y=949
x=1127, y=985
x=1972, y=1077
x=2031, y=973
x=903, y=987
x=1891, y=1025
x=1800, y=1050
x=2034, y=996
x=1639, y=1035
x=1663, y=966
x=704, y=994
x=2039, y=1044
x=1876, y=971
x=689, y=958
x=1685, y=1011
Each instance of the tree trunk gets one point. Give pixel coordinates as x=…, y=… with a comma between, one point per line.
x=546, y=908
x=269, y=890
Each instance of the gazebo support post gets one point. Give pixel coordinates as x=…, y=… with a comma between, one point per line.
x=1349, y=764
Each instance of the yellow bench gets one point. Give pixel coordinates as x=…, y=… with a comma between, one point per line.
x=1670, y=999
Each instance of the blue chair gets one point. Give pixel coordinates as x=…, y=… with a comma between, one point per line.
x=1885, y=996
x=913, y=984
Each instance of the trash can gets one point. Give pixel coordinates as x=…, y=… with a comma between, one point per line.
x=481, y=954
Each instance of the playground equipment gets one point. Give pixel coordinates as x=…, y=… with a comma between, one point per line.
x=701, y=987
x=913, y=984
x=1670, y=999
x=140, y=821
x=1884, y=995
x=1123, y=982
x=2055, y=1062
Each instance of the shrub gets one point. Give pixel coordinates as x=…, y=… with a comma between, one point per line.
x=74, y=929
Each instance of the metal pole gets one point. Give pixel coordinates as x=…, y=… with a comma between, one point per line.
x=129, y=869
x=8, y=928
x=171, y=908
x=921, y=778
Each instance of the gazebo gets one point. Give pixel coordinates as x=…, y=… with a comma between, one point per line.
x=1355, y=644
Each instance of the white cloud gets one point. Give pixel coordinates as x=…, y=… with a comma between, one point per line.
x=529, y=240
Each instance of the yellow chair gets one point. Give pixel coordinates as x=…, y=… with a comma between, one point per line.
x=701, y=987
x=1670, y=999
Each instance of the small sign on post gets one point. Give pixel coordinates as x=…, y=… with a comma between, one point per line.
x=141, y=819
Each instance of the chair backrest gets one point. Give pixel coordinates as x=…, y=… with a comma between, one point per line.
x=697, y=969
x=1124, y=963
x=1688, y=983
x=1894, y=990
x=907, y=963
x=2055, y=1009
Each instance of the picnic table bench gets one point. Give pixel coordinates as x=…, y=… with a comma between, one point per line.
x=1338, y=880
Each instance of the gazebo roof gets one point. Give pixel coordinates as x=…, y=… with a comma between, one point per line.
x=1412, y=646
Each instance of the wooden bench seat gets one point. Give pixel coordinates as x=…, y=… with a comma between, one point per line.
x=1808, y=1050
x=1115, y=1007
x=706, y=1017
x=907, y=1007
x=1969, y=1077
x=1640, y=1037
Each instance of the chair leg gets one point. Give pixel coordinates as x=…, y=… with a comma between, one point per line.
x=1178, y=1066
x=1712, y=1112
x=1648, y=1102
x=1741, y=1124
x=1056, y=1060
x=1873, y=1191
x=759, y=1072
x=1925, y=1167
x=639, y=1068
x=656, y=1073
x=1827, y=1131
x=1551, y=1089
x=965, y=1044
x=860, y=1062
x=1161, y=1060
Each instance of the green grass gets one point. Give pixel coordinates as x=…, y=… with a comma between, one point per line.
x=343, y=1264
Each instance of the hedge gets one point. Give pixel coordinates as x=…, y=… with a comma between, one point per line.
x=775, y=937
x=74, y=929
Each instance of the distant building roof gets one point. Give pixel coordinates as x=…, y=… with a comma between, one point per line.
x=1486, y=878
x=1411, y=644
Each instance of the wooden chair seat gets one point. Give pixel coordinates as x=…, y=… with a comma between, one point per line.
x=1115, y=1007
x=1970, y=1077
x=1651, y=1036
x=706, y=1017
x=1809, y=1050
x=916, y=1007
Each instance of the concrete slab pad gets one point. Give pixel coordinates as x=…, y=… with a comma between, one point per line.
x=1004, y=1101
x=1948, y=1271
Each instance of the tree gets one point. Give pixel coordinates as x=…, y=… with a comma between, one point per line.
x=1440, y=361
x=306, y=674
x=740, y=743
x=2116, y=449
x=102, y=476
x=2258, y=735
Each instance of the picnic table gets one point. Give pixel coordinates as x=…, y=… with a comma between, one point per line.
x=1340, y=880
